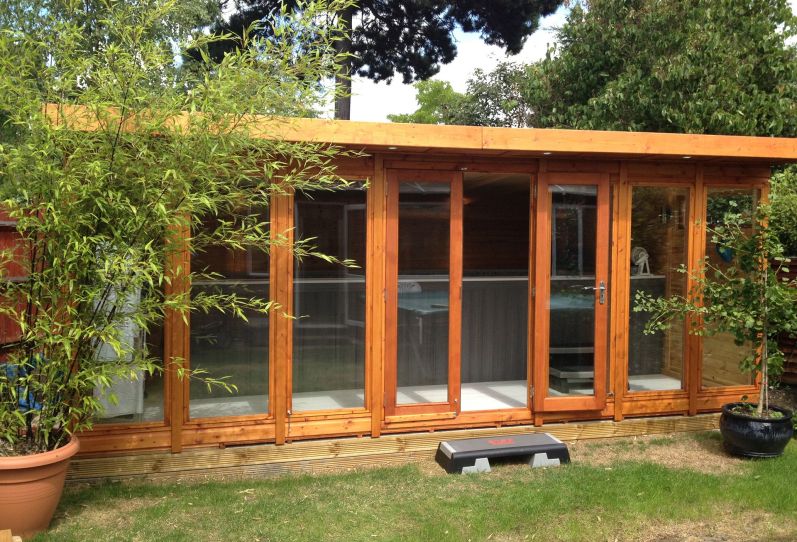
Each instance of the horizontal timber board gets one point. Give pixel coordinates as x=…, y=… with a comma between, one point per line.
x=474, y=139
x=333, y=454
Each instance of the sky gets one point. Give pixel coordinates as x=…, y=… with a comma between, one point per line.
x=374, y=101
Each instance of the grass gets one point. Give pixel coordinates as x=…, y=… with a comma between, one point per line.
x=625, y=499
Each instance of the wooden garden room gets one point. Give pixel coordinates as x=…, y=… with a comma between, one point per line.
x=495, y=283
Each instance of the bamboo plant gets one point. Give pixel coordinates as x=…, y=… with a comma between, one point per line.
x=135, y=147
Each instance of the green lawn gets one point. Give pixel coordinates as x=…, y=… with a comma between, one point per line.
x=664, y=488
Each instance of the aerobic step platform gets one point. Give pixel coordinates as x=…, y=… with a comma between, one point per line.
x=474, y=454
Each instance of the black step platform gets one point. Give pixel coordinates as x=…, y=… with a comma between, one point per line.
x=540, y=449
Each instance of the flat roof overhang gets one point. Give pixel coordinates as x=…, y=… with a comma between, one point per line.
x=537, y=142
x=488, y=141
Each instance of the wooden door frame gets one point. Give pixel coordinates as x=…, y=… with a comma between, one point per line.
x=542, y=402
x=453, y=406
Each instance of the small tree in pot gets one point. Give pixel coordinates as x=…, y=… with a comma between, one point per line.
x=746, y=299
x=110, y=151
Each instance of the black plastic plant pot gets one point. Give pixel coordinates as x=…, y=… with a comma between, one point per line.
x=749, y=436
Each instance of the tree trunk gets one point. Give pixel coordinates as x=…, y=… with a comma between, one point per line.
x=763, y=398
x=343, y=75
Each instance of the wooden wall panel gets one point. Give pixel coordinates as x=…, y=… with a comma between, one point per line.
x=10, y=240
x=683, y=171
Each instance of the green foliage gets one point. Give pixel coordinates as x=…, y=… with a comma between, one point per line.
x=783, y=212
x=438, y=101
x=98, y=210
x=745, y=297
x=706, y=66
x=499, y=98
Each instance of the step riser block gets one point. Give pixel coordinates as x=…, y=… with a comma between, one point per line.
x=538, y=449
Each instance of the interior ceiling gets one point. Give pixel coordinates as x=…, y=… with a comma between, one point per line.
x=480, y=180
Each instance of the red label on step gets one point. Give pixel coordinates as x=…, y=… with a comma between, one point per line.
x=500, y=441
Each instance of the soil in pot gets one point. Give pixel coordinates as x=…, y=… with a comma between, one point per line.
x=30, y=488
x=745, y=435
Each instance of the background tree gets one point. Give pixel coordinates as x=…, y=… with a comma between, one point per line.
x=411, y=38
x=440, y=104
x=783, y=208
x=707, y=66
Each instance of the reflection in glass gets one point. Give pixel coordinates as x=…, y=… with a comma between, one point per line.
x=721, y=356
x=572, y=298
x=329, y=302
x=658, y=247
x=495, y=291
x=139, y=400
x=423, y=285
x=228, y=346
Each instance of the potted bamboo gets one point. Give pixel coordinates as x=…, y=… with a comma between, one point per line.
x=747, y=297
x=105, y=179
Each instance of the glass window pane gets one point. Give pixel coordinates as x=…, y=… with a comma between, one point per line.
x=572, y=299
x=329, y=302
x=495, y=291
x=658, y=247
x=225, y=345
x=423, y=285
x=721, y=356
x=139, y=400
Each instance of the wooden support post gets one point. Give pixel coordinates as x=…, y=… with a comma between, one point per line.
x=176, y=338
x=541, y=274
x=621, y=270
x=531, y=297
x=697, y=234
x=280, y=326
x=376, y=206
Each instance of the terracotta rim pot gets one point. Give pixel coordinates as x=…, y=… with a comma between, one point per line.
x=30, y=488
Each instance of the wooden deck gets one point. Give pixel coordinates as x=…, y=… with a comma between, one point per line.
x=345, y=453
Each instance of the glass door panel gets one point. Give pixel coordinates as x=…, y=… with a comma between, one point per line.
x=224, y=345
x=424, y=289
x=572, y=296
x=495, y=291
x=423, y=292
x=721, y=355
x=571, y=350
x=659, y=242
x=328, y=370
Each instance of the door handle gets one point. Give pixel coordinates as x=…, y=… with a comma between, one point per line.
x=601, y=291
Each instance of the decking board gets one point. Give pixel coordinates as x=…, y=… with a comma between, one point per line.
x=344, y=453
